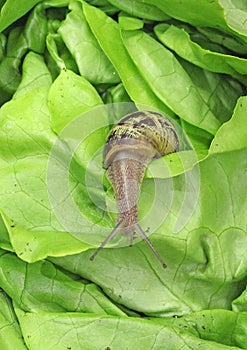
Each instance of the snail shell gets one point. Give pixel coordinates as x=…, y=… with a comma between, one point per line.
x=131, y=144
x=150, y=133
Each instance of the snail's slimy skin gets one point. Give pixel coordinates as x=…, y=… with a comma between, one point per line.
x=131, y=144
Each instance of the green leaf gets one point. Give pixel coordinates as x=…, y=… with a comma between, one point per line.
x=108, y=35
x=119, y=101
x=221, y=39
x=179, y=40
x=3, y=42
x=4, y=236
x=219, y=92
x=55, y=61
x=218, y=14
x=174, y=164
x=201, y=13
x=43, y=287
x=200, y=139
x=8, y=16
x=34, y=245
x=221, y=326
x=32, y=36
x=104, y=6
x=35, y=76
x=84, y=48
x=70, y=95
x=127, y=22
x=10, y=332
x=20, y=151
x=10, y=75
x=25, y=154
x=85, y=331
x=36, y=29
x=233, y=134
x=240, y=304
x=116, y=94
x=169, y=81
x=144, y=10
x=235, y=15
x=1, y=3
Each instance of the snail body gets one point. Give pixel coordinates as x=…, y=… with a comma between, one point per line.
x=131, y=144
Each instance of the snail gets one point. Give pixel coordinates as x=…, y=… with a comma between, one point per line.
x=131, y=144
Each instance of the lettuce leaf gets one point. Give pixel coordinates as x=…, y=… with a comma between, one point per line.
x=83, y=330
x=178, y=39
x=10, y=334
